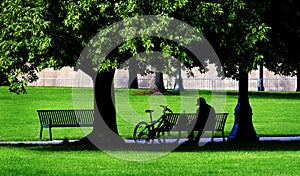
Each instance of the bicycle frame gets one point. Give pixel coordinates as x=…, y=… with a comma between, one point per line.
x=146, y=131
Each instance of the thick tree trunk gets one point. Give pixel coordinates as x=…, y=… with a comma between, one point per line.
x=132, y=82
x=157, y=83
x=105, y=132
x=243, y=129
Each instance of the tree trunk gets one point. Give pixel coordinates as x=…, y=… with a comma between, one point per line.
x=298, y=79
x=243, y=129
x=105, y=132
x=178, y=81
x=261, y=76
x=132, y=82
x=157, y=83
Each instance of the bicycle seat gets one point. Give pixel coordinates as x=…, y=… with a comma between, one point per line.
x=149, y=111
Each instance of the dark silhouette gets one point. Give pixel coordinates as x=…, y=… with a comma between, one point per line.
x=205, y=120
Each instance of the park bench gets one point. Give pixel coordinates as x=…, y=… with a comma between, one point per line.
x=185, y=122
x=65, y=118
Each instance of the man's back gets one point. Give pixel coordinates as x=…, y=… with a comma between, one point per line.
x=205, y=115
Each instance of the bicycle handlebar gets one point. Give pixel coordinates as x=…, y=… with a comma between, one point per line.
x=163, y=106
x=166, y=109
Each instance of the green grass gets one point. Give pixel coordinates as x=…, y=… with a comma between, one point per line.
x=274, y=114
x=269, y=158
x=18, y=115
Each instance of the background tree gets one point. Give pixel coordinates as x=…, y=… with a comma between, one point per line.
x=133, y=81
x=24, y=42
x=237, y=33
x=282, y=54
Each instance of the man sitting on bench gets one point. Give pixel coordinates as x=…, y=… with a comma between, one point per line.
x=205, y=119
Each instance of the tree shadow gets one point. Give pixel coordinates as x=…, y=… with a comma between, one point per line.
x=243, y=146
x=273, y=95
x=211, y=147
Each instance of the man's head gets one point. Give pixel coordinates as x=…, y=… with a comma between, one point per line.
x=201, y=101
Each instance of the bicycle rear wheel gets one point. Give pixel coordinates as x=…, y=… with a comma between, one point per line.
x=141, y=132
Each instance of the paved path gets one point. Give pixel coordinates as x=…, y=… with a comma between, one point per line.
x=56, y=142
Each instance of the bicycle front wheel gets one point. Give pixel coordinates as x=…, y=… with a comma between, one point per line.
x=141, y=132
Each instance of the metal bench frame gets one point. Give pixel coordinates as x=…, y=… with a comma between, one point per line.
x=65, y=118
x=184, y=122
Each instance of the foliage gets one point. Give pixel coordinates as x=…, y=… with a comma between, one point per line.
x=282, y=55
x=61, y=29
x=237, y=35
x=24, y=41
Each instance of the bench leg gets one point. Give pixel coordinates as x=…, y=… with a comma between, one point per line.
x=179, y=134
x=41, y=133
x=50, y=132
x=223, y=135
x=212, y=136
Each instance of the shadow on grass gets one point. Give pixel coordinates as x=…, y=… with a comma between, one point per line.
x=211, y=147
x=244, y=146
x=273, y=95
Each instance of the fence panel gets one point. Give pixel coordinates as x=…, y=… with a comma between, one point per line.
x=270, y=84
x=283, y=84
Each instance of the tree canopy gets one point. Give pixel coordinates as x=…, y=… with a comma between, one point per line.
x=53, y=33
x=39, y=34
x=24, y=42
x=282, y=54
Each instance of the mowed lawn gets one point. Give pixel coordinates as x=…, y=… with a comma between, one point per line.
x=274, y=114
x=270, y=158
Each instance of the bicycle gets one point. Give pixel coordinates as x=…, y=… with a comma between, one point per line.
x=145, y=132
